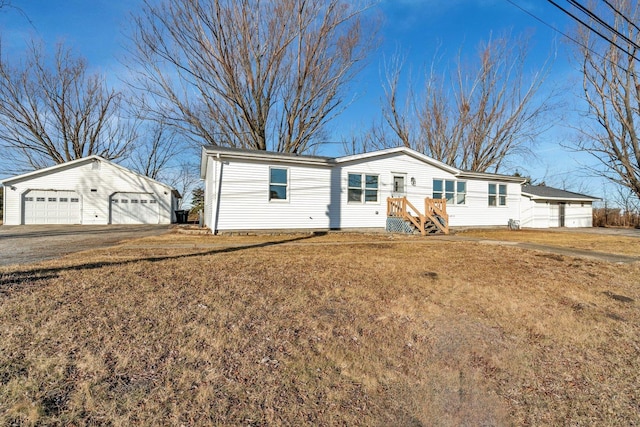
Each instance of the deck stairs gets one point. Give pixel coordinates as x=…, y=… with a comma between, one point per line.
x=404, y=217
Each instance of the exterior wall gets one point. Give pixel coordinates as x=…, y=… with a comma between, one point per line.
x=244, y=196
x=374, y=215
x=83, y=178
x=534, y=214
x=579, y=214
x=546, y=214
x=475, y=212
x=210, y=192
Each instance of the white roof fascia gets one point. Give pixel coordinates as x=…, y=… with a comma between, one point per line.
x=492, y=177
x=46, y=170
x=75, y=162
x=274, y=157
x=573, y=199
x=404, y=150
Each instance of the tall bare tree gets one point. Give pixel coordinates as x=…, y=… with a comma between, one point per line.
x=476, y=116
x=263, y=74
x=154, y=152
x=55, y=111
x=611, y=89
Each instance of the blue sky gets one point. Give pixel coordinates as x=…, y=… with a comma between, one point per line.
x=416, y=28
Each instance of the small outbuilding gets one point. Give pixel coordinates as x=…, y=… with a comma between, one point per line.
x=90, y=190
x=544, y=207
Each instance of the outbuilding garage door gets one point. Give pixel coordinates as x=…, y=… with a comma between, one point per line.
x=134, y=208
x=51, y=207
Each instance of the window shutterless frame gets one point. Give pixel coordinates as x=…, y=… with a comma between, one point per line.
x=362, y=188
x=278, y=184
x=497, y=194
x=454, y=191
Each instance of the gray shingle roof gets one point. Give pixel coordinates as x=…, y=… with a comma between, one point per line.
x=544, y=192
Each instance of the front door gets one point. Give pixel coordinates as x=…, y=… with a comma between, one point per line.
x=399, y=189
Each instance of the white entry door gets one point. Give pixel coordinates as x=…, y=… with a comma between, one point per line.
x=134, y=208
x=51, y=207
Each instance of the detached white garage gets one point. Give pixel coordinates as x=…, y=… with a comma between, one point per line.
x=91, y=190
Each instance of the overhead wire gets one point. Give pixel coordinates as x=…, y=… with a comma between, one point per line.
x=573, y=39
x=592, y=29
x=622, y=15
x=603, y=23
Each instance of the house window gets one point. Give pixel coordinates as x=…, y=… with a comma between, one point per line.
x=278, y=182
x=359, y=185
x=497, y=194
x=454, y=191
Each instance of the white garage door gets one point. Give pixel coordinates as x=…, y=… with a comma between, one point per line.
x=134, y=208
x=51, y=207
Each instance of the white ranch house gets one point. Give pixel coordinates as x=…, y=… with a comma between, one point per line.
x=259, y=190
x=90, y=190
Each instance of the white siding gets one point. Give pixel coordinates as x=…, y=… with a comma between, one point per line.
x=244, y=197
x=211, y=193
x=94, y=184
x=534, y=214
x=579, y=215
x=475, y=212
x=545, y=214
x=374, y=215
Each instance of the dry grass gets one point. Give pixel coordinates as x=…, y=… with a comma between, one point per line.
x=593, y=242
x=371, y=333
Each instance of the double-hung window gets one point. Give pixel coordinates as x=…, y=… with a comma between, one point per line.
x=497, y=194
x=278, y=184
x=454, y=191
x=360, y=185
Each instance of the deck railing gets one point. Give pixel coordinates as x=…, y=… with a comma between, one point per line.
x=435, y=212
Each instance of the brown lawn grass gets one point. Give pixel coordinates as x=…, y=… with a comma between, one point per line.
x=621, y=245
x=370, y=333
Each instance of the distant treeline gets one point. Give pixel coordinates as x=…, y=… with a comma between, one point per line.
x=615, y=217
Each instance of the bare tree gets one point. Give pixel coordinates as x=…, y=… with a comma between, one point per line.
x=477, y=117
x=53, y=112
x=155, y=151
x=611, y=89
x=248, y=73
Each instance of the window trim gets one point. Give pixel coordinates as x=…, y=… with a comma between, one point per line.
x=363, y=188
x=497, y=195
x=286, y=186
x=455, y=190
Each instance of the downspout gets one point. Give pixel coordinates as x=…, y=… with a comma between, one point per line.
x=218, y=191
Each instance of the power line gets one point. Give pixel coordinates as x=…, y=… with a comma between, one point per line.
x=617, y=12
x=603, y=23
x=592, y=29
x=567, y=36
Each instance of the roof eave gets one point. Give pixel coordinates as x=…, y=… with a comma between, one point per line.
x=253, y=155
x=493, y=177
x=573, y=199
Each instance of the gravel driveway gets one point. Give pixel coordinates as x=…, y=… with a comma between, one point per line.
x=22, y=244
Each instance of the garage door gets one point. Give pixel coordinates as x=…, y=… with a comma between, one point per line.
x=134, y=208
x=51, y=207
